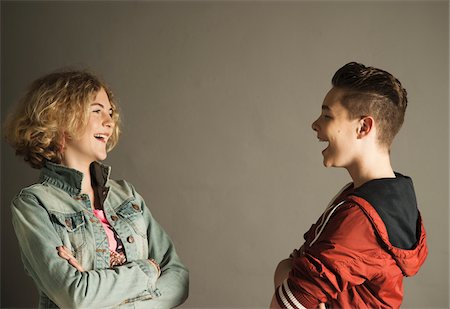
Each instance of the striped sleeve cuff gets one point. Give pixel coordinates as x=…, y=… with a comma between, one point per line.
x=286, y=299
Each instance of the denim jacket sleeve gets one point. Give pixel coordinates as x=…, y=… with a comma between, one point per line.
x=66, y=286
x=173, y=284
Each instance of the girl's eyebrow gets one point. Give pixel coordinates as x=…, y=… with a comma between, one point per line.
x=101, y=105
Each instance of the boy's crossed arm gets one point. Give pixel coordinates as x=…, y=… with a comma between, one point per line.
x=282, y=273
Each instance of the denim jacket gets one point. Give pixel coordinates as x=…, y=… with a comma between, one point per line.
x=54, y=213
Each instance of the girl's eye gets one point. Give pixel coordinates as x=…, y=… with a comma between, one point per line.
x=96, y=111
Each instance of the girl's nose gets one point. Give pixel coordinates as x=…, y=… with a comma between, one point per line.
x=108, y=121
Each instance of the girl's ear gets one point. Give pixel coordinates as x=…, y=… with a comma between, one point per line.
x=365, y=126
x=63, y=142
x=61, y=149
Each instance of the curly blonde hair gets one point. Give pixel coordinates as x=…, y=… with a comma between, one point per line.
x=55, y=105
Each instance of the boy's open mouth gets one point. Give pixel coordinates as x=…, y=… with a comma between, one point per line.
x=322, y=140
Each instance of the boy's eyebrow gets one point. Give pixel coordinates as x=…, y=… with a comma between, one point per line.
x=326, y=107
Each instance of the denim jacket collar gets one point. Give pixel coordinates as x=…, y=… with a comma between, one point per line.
x=69, y=179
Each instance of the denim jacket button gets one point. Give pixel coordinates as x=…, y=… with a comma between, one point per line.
x=136, y=207
x=68, y=223
x=114, y=218
x=130, y=239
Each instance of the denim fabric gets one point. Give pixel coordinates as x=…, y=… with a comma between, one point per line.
x=53, y=213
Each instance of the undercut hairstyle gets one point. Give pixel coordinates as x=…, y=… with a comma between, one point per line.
x=369, y=91
x=55, y=106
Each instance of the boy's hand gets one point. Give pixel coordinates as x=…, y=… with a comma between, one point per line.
x=67, y=255
x=282, y=272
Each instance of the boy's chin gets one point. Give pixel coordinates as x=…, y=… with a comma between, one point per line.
x=327, y=163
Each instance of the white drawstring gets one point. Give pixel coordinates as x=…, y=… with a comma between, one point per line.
x=325, y=223
x=329, y=206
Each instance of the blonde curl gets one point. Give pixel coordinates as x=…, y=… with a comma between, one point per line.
x=55, y=106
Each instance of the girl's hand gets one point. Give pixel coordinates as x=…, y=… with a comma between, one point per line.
x=156, y=265
x=67, y=255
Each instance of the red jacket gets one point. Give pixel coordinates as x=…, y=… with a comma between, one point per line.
x=348, y=259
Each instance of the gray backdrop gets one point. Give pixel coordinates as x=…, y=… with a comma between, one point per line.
x=218, y=100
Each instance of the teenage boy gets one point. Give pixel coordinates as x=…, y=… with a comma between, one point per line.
x=371, y=234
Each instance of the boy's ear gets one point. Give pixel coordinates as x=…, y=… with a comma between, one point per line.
x=365, y=126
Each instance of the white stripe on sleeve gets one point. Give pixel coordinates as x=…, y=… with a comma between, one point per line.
x=283, y=299
x=291, y=296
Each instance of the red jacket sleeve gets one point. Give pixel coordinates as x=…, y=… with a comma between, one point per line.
x=346, y=254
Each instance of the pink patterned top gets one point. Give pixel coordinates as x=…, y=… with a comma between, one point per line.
x=116, y=249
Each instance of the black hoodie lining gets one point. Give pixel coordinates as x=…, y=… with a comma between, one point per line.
x=395, y=202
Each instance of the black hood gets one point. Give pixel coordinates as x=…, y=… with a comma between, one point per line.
x=394, y=200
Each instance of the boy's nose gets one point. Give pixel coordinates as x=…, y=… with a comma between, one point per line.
x=314, y=126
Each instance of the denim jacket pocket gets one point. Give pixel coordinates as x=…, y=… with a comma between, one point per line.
x=71, y=228
x=132, y=213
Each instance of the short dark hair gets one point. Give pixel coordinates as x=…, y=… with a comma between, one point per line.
x=369, y=91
